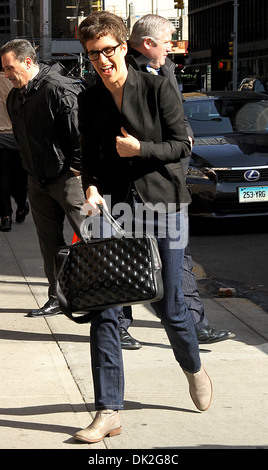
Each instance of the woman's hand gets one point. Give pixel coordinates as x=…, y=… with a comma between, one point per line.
x=127, y=146
x=90, y=207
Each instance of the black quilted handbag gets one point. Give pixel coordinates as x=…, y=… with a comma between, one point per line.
x=98, y=274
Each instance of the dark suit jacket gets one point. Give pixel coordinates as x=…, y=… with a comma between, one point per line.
x=140, y=62
x=151, y=112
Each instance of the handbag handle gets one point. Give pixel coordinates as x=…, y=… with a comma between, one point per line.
x=87, y=230
x=116, y=226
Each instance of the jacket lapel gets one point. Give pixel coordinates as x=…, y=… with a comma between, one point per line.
x=131, y=105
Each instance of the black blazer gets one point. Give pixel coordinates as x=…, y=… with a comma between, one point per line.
x=139, y=62
x=151, y=112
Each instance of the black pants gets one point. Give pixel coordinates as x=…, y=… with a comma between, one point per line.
x=13, y=181
x=50, y=204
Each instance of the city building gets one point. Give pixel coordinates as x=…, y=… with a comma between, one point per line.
x=217, y=42
x=52, y=25
x=214, y=34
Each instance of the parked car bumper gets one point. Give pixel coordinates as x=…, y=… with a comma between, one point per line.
x=221, y=200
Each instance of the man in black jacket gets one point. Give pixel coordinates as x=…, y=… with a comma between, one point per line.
x=150, y=44
x=43, y=110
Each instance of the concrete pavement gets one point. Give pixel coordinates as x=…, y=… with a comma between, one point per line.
x=46, y=389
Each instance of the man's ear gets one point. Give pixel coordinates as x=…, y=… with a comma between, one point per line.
x=28, y=62
x=147, y=43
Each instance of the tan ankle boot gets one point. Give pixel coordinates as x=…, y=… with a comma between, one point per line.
x=200, y=388
x=106, y=423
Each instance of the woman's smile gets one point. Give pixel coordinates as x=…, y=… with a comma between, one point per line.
x=112, y=69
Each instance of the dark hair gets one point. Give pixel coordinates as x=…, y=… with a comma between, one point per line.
x=21, y=49
x=102, y=23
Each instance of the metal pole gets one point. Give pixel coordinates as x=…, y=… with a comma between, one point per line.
x=235, y=45
x=80, y=64
x=77, y=8
x=45, y=30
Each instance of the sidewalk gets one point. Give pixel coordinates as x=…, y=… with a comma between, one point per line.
x=46, y=389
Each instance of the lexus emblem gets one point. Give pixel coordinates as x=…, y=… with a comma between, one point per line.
x=252, y=175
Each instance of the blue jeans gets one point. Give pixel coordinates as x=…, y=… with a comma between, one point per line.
x=106, y=352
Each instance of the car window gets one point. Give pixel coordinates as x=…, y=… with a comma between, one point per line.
x=252, y=117
x=258, y=86
x=204, y=118
x=221, y=116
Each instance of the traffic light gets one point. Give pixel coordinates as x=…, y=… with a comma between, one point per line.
x=225, y=65
x=179, y=5
x=231, y=48
x=96, y=5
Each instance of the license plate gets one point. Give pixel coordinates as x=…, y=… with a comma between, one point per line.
x=253, y=194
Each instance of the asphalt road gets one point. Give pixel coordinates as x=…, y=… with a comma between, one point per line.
x=233, y=253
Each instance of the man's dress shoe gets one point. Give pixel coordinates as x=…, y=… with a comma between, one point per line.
x=21, y=213
x=127, y=341
x=210, y=335
x=51, y=307
x=6, y=224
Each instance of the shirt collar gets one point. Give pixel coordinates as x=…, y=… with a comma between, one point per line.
x=34, y=75
x=152, y=70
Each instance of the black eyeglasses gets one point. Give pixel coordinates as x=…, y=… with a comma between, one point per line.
x=107, y=52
